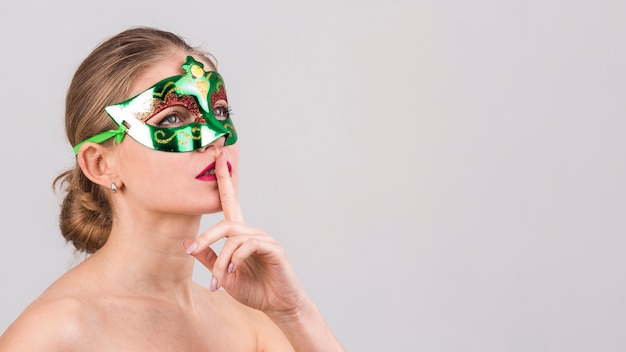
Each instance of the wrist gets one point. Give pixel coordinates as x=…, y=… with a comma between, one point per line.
x=306, y=329
x=303, y=310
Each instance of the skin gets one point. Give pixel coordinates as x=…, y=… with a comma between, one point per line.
x=136, y=293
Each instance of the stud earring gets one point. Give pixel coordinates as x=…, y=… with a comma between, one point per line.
x=113, y=188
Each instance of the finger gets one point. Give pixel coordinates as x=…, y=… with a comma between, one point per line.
x=224, y=260
x=269, y=252
x=223, y=229
x=205, y=256
x=222, y=265
x=228, y=195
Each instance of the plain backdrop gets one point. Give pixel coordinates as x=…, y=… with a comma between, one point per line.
x=444, y=175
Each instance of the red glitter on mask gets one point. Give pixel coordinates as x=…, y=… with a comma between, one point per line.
x=218, y=95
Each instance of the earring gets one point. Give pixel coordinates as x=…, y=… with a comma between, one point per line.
x=113, y=188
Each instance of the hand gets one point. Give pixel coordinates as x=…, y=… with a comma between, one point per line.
x=251, y=266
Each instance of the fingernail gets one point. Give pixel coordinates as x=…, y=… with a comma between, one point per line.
x=213, y=286
x=192, y=247
x=230, y=268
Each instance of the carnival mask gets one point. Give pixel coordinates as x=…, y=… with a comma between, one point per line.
x=178, y=114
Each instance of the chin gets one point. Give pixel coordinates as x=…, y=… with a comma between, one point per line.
x=206, y=210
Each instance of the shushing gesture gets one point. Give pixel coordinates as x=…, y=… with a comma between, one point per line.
x=255, y=271
x=251, y=266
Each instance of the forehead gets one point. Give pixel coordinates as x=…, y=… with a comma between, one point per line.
x=172, y=66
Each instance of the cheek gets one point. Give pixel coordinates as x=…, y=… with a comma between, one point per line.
x=232, y=153
x=139, y=165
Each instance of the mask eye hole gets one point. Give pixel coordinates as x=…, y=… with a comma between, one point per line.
x=221, y=110
x=172, y=117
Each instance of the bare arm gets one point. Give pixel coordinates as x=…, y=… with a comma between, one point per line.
x=44, y=326
x=307, y=330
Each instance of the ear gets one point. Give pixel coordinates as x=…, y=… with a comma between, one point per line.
x=98, y=164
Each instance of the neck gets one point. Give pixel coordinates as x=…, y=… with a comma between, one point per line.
x=146, y=257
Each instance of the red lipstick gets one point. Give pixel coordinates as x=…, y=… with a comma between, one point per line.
x=208, y=174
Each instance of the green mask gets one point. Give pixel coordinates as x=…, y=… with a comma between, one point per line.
x=178, y=114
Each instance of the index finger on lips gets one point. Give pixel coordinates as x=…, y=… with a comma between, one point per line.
x=228, y=195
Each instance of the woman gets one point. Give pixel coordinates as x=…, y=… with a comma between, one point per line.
x=148, y=117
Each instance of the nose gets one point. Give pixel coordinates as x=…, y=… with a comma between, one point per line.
x=217, y=145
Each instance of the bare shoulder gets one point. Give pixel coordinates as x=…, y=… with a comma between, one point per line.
x=48, y=324
x=268, y=336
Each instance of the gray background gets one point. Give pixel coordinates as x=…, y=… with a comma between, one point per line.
x=445, y=175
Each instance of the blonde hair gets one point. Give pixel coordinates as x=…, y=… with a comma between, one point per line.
x=105, y=77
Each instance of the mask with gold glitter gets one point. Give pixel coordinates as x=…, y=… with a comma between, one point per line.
x=178, y=114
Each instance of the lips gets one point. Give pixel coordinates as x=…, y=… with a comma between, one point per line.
x=208, y=174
